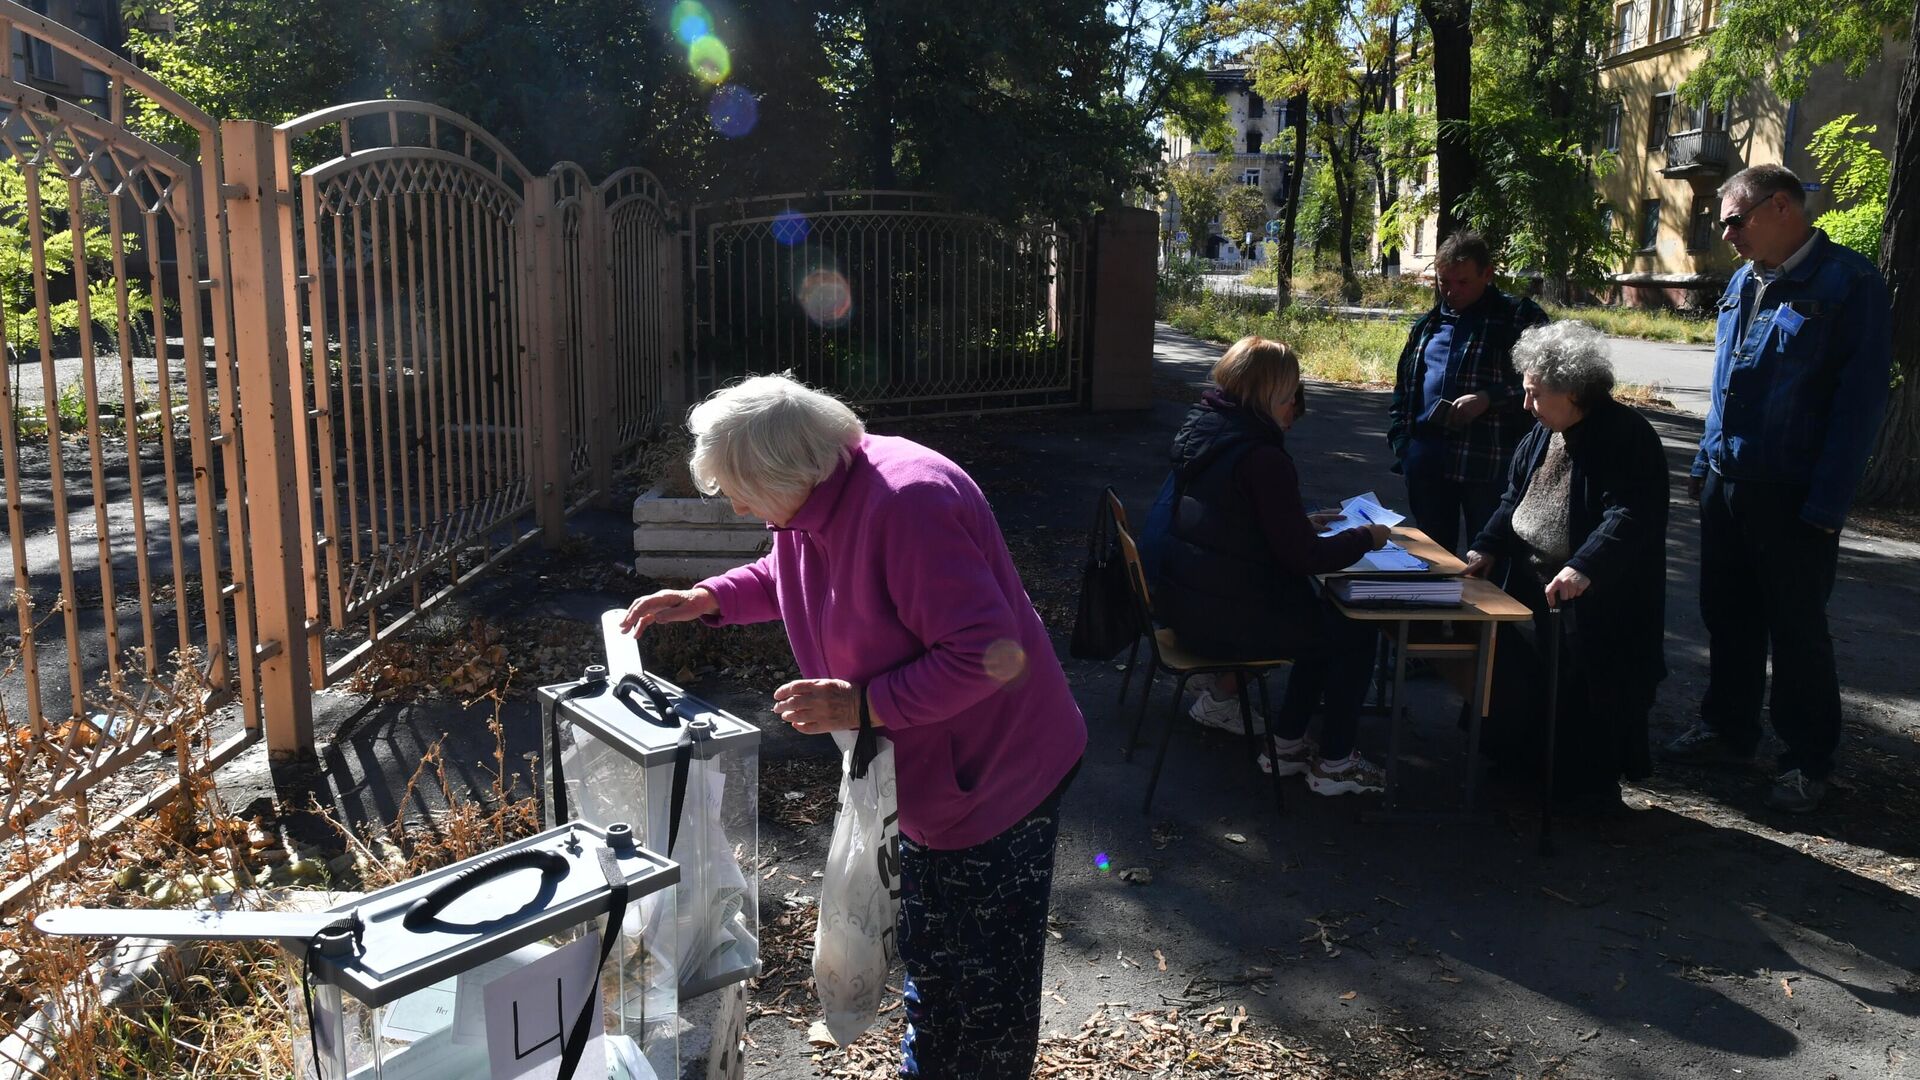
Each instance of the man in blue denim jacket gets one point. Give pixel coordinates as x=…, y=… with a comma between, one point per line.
x=1801, y=370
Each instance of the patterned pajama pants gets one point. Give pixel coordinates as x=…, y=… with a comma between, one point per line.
x=973, y=931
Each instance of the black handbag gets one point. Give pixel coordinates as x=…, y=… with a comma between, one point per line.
x=1107, y=619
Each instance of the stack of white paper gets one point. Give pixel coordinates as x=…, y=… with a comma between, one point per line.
x=1439, y=591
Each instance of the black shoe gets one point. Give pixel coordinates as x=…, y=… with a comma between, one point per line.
x=1701, y=745
x=1796, y=792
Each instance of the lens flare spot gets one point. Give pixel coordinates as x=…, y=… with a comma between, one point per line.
x=1100, y=860
x=1005, y=660
x=791, y=227
x=826, y=298
x=708, y=58
x=690, y=21
x=733, y=111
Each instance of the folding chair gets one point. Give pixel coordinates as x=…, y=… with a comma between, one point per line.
x=1166, y=653
x=1117, y=514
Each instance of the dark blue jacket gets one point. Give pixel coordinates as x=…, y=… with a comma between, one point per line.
x=1798, y=396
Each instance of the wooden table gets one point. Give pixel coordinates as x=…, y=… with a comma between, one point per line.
x=1483, y=605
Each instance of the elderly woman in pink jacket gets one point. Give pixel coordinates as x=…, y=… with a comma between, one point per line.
x=902, y=605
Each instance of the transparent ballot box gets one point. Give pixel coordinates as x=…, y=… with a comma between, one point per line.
x=443, y=976
x=624, y=749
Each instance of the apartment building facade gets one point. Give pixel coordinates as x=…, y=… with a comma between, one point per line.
x=1262, y=148
x=1674, y=156
x=37, y=64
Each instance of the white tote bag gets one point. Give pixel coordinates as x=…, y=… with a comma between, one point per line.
x=854, y=946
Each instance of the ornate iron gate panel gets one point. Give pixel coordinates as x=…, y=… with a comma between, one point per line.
x=409, y=306
x=890, y=300
x=125, y=500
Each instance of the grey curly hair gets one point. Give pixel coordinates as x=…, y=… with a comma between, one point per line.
x=1568, y=357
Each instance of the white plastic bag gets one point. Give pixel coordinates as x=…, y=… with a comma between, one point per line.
x=854, y=945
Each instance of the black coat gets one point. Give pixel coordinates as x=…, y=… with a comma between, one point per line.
x=1220, y=587
x=1617, y=528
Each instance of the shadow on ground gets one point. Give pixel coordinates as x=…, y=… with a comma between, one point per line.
x=1696, y=935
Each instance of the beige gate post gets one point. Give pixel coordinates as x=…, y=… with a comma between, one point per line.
x=541, y=250
x=265, y=374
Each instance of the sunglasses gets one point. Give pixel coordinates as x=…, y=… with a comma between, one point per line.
x=1739, y=220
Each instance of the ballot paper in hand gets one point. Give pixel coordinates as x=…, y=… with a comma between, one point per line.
x=1361, y=511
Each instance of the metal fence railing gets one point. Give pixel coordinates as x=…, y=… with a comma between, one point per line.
x=889, y=299
x=125, y=491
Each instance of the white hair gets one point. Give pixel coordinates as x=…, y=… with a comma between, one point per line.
x=769, y=439
x=1569, y=357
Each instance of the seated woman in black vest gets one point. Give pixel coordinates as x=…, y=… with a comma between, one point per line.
x=1239, y=552
x=1583, y=523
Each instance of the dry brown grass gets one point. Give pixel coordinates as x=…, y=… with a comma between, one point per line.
x=219, y=1010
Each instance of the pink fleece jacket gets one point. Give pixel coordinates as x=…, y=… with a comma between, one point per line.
x=894, y=575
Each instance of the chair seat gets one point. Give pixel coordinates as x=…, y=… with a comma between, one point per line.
x=1177, y=657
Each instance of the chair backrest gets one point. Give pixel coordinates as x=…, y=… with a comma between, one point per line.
x=1136, y=576
x=1118, y=509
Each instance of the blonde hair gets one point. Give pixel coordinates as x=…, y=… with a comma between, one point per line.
x=769, y=439
x=1257, y=372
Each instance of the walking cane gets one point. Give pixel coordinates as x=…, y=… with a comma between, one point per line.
x=1553, y=727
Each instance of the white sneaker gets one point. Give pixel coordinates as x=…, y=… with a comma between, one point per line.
x=1295, y=756
x=1220, y=713
x=1353, y=776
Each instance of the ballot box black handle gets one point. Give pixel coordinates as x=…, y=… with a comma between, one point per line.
x=427, y=908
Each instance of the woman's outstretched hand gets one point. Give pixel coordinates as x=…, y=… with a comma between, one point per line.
x=668, y=606
x=817, y=706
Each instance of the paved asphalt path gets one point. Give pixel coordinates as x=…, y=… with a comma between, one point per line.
x=1680, y=373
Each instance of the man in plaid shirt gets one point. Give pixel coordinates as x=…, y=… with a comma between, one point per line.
x=1457, y=412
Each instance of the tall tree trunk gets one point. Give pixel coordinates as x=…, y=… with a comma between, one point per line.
x=1452, y=102
x=1893, y=476
x=1346, y=198
x=1296, y=171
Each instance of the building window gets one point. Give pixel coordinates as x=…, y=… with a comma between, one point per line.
x=1253, y=142
x=39, y=54
x=1256, y=106
x=1419, y=238
x=1707, y=117
x=1649, y=224
x=1675, y=23
x=1700, y=230
x=1623, y=28
x=1658, y=120
x=1251, y=178
x=1281, y=120
x=1612, y=140
x=1607, y=220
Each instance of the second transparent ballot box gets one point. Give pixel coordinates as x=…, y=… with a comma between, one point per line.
x=635, y=748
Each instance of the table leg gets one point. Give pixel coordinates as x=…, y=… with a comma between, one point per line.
x=1396, y=714
x=1483, y=680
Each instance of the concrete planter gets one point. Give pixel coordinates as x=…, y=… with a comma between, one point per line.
x=692, y=538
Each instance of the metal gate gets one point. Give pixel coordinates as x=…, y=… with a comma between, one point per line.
x=405, y=289
x=120, y=444
x=890, y=300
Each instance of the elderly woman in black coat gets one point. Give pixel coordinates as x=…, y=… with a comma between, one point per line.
x=1582, y=527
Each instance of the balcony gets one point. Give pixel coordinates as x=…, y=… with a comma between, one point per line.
x=1697, y=154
